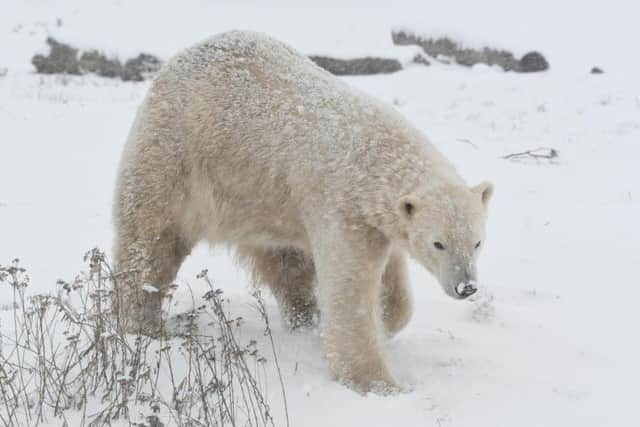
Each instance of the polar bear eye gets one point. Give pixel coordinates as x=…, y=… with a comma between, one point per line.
x=478, y=244
x=409, y=208
x=438, y=246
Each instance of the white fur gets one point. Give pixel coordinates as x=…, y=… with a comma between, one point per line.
x=241, y=140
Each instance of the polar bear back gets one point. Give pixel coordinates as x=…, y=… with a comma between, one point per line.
x=248, y=115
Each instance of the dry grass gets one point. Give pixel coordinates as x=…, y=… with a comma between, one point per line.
x=64, y=361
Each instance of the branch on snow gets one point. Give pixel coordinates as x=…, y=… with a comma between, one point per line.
x=541, y=153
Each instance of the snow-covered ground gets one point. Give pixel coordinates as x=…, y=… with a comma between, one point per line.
x=552, y=342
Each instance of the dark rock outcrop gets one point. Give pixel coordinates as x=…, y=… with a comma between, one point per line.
x=357, y=66
x=64, y=59
x=141, y=67
x=444, y=46
x=532, y=62
x=95, y=62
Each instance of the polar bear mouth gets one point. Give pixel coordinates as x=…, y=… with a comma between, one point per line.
x=465, y=290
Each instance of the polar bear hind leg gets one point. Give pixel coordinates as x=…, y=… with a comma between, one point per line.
x=146, y=268
x=290, y=275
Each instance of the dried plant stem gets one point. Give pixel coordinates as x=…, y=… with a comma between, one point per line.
x=68, y=358
x=536, y=153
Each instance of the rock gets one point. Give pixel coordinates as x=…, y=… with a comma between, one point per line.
x=95, y=62
x=532, y=62
x=357, y=66
x=62, y=59
x=597, y=70
x=420, y=59
x=488, y=56
x=445, y=47
x=141, y=67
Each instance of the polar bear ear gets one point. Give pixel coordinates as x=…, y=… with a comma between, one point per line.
x=485, y=189
x=407, y=207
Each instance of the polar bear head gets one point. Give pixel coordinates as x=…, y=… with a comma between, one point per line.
x=444, y=229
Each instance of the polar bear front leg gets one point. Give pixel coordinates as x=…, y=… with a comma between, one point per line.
x=396, y=294
x=349, y=265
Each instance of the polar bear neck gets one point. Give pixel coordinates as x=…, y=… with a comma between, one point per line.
x=398, y=161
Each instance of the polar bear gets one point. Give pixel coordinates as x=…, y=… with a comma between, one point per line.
x=323, y=190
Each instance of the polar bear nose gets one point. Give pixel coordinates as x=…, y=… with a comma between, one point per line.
x=466, y=289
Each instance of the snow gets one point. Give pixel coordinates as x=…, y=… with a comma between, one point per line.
x=550, y=338
x=150, y=288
